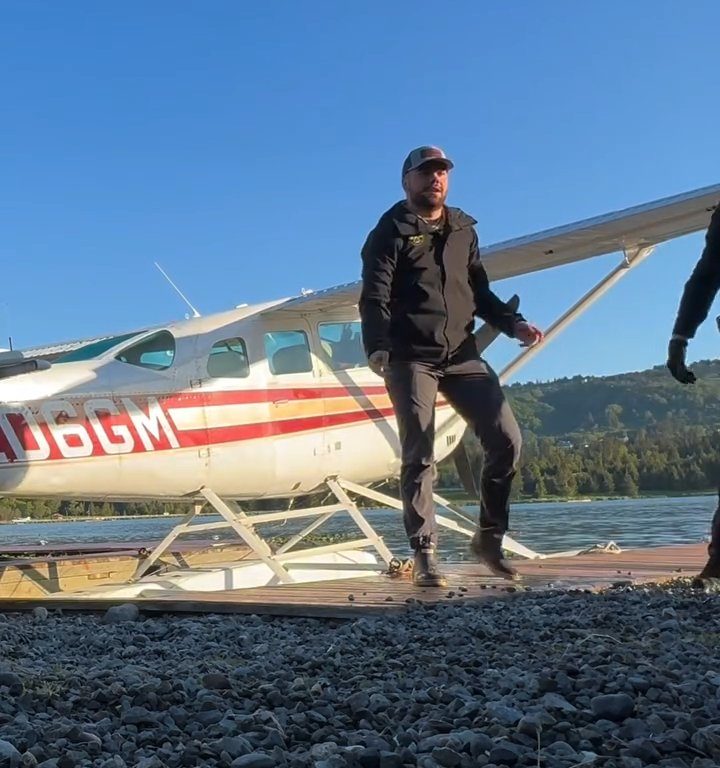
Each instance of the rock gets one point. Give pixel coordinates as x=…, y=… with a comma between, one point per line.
x=645, y=750
x=253, y=760
x=324, y=750
x=9, y=755
x=555, y=701
x=612, y=706
x=394, y=759
x=118, y=614
x=707, y=740
x=235, y=746
x=561, y=749
x=535, y=722
x=214, y=681
x=138, y=716
x=503, y=714
x=358, y=701
x=12, y=681
x=505, y=753
x=480, y=744
x=446, y=757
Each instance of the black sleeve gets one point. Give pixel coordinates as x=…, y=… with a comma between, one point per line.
x=379, y=258
x=488, y=306
x=703, y=284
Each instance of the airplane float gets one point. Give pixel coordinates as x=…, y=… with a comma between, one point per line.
x=274, y=401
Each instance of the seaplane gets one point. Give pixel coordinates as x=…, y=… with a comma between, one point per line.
x=270, y=401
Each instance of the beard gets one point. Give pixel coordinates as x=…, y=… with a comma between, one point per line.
x=428, y=200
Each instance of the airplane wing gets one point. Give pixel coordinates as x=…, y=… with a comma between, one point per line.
x=52, y=351
x=642, y=225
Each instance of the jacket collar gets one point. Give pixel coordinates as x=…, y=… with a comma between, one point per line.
x=407, y=223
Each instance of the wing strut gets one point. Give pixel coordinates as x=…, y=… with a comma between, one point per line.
x=630, y=260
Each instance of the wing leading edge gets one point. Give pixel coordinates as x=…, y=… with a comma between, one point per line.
x=637, y=227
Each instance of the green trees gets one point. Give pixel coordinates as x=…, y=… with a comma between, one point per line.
x=616, y=435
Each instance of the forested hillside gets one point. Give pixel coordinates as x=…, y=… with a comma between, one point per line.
x=628, y=401
x=616, y=435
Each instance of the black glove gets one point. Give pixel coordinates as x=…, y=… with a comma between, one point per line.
x=676, y=361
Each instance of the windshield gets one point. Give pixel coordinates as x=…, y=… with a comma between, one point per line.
x=94, y=349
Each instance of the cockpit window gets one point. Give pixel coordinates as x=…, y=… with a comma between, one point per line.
x=228, y=359
x=342, y=345
x=288, y=352
x=94, y=349
x=156, y=352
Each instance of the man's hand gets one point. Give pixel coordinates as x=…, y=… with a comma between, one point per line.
x=378, y=362
x=528, y=335
x=677, y=349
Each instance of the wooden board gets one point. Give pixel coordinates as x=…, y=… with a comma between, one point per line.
x=383, y=595
x=36, y=577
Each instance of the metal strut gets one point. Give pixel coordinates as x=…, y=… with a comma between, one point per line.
x=631, y=258
x=285, y=557
x=244, y=524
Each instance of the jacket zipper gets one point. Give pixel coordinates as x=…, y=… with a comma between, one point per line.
x=443, y=281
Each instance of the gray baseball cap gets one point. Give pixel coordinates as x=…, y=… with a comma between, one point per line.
x=423, y=155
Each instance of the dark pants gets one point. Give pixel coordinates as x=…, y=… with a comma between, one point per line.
x=714, y=546
x=473, y=389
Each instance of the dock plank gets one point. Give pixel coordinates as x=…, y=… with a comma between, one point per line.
x=382, y=595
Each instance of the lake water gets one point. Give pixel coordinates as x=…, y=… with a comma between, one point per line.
x=544, y=527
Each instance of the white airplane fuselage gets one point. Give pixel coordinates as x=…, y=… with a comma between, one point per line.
x=249, y=404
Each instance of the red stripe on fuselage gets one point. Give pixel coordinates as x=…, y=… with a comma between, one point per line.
x=217, y=435
x=189, y=438
x=247, y=396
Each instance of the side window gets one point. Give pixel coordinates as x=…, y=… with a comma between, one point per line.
x=288, y=352
x=228, y=359
x=156, y=352
x=342, y=345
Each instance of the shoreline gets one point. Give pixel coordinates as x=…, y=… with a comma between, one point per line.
x=453, y=495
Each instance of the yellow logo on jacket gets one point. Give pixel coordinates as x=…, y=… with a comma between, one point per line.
x=416, y=239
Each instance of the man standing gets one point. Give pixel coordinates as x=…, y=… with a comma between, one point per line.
x=422, y=285
x=697, y=298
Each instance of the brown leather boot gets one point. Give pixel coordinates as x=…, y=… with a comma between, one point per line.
x=710, y=574
x=486, y=545
x=425, y=568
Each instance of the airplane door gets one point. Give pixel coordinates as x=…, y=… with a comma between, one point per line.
x=357, y=408
x=296, y=408
x=237, y=458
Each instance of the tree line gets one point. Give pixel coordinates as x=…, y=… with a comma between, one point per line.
x=662, y=460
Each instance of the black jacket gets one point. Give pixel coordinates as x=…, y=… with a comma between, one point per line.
x=703, y=284
x=421, y=289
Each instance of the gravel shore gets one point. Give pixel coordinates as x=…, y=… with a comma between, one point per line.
x=626, y=679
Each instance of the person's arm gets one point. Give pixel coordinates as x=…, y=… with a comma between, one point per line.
x=697, y=298
x=702, y=286
x=379, y=259
x=488, y=306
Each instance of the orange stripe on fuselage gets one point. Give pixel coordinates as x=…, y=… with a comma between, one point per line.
x=286, y=411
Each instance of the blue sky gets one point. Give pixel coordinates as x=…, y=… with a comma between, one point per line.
x=249, y=148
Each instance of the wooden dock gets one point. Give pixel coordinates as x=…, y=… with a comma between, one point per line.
x=39, y=571
x=384, y=595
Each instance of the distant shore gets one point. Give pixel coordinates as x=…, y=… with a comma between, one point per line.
x=457, y=496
